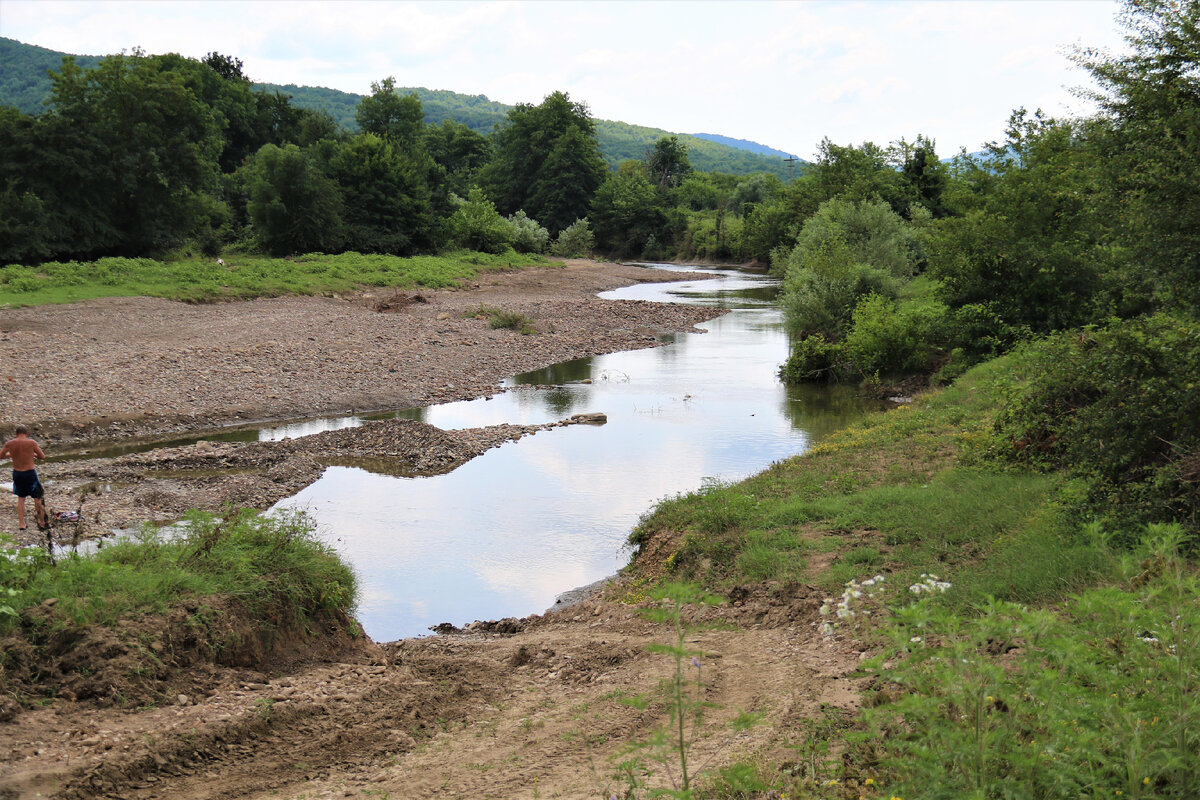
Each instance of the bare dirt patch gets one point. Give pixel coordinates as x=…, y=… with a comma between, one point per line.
x=534, y=713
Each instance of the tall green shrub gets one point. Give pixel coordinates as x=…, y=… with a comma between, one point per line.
x=1117, y=406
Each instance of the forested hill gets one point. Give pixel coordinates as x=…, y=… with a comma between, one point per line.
x=23, y=79
x=25, y=84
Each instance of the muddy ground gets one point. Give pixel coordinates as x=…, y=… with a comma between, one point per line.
x=514, y=709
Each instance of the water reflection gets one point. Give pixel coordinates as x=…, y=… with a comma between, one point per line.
x=507, y=532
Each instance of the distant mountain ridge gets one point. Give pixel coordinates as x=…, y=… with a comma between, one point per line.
x=25, y=85
x=744, y=144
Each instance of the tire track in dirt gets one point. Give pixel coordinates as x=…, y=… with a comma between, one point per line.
x=533, y=713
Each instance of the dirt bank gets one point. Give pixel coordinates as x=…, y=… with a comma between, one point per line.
x=535, y=713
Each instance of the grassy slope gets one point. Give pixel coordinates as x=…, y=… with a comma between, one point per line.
x=1114, y=654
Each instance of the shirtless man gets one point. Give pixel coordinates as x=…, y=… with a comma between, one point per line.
x=22, y=450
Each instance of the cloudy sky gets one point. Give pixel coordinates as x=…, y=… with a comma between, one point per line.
x=782, y=73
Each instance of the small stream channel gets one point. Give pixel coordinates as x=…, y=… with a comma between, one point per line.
x=506, y=533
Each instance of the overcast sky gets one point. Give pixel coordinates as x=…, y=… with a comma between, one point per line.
x=784, y=74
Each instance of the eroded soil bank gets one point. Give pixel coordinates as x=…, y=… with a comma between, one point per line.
x=513, y=709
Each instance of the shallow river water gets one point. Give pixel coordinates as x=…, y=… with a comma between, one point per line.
x=506, y=533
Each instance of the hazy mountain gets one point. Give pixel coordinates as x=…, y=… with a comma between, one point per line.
x=744, y=144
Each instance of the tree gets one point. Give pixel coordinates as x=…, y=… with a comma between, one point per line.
x=128, y=156
x=385, y=199
x=1150, y=142
x=390, y=116
x=925, y=175
x=667, y=162
x=293, y=206
x=547, y=161
x=459, y=152
x=625, y=211
x=1030, y=246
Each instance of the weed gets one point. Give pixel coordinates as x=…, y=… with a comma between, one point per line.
x=669, y=745
x=1098, y=700
x=264, y=709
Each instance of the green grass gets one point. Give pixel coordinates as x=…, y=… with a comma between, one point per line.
x=1050, y=662
x=242, y=276
x=272, y=567
x=498, y=318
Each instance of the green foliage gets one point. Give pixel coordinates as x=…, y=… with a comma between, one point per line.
x=386, y=201
x=863, y=173
x=528, y=236
x=124, y=161
x=272, y=566
x=390, y=115
x=1116, y=406
x=822, y=287
x=546, y=161
x=872, y=233
x=845, y=251
x=814, y=360
x=667, y=162
x=1029, y=246
x=575, y=240
x=1150, y=146
x=626, y=211
x=198, y=280
x=1098, y=700
x=889, y=338
x=294, y=205
x=477, y=225
x=459, y=152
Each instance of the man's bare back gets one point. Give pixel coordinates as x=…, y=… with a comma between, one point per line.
x=22, y=450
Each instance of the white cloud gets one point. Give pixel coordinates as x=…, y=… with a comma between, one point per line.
x=782, y=73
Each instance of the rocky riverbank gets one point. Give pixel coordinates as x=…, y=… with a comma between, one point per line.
x=124, y=369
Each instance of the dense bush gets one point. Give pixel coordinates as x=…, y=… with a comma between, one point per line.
x=813, y=360
x=820, y=292
x=528, y=235
x=575, y=240
x=1117, y=406
x=889, y=338
x=477, y=225
x=871, y=232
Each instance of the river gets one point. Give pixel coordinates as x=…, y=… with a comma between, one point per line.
x=509, y=531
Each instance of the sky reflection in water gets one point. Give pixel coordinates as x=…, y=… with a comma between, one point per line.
x=506, y=533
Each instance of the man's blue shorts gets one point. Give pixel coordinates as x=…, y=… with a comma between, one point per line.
x=26, y=484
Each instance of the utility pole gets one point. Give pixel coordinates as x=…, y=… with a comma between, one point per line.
x=791, y=162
